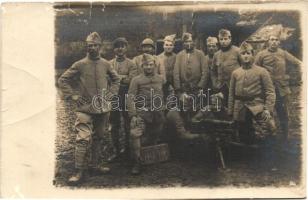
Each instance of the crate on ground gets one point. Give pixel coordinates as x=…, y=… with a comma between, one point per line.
x=155, y=154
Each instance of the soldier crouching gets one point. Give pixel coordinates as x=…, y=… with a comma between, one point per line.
x=145, y=108
x=251, y=98
x=91, y=74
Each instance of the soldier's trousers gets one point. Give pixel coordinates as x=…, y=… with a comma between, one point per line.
x=147, y=132
x=115, y=119
x=177, y=121
x=281, y=106
x=90, y=131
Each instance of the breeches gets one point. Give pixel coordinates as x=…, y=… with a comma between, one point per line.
x=90, y=131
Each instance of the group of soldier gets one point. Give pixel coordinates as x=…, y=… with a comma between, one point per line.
x=248, y=87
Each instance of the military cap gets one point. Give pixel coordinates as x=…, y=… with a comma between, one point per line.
x=119, y=41
x=246, y=47
x=186, y=36
x=224, y=33
x=94, y=38
x=148, y=41
x=170, y=38
x=146, y=58
x=211, y=40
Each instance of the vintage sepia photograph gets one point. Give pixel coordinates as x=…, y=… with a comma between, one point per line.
x=177, y=95
x=153, y=99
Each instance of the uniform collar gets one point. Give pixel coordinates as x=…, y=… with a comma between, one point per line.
x=93, y=59
x=120, y=59
x=247, y=67
x=272, y=50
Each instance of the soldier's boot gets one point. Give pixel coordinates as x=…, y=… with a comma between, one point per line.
x=136, y=148
x=81, y=152
x=116, y=145
x=97, y=165
x=76, y=178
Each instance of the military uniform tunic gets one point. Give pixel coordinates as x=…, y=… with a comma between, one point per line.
x=275, y=62
x=251, y=88
x=92, y=75
x=146, y=101
x=226, y=62
x=190, y=71
x=126, y=70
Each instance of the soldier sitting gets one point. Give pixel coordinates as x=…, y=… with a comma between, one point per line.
x=251, y=98
x=145, y=108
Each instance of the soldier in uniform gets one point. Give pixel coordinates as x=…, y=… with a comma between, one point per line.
x=148, y=47
x=251, y=98
x=190, y=78
x=212, y=48
x=226, y=60
x=126, y=70
x=274, y=59
x=167, y=61
x=91, y=74
x=145, y=109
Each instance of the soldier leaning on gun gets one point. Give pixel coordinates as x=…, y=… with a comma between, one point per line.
x=91, y=74
x=251, y=98
x=145, y=109
x=274, y=59
x=126, y=70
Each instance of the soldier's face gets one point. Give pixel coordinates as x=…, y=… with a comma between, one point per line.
x=211, y=48
x=168, y=46
x=188, y=44
x=148, y=68
x=93, y=49
x=148, y=49
x=224, y=41
x=120, y=49
x=273, y=42
x=246, y=57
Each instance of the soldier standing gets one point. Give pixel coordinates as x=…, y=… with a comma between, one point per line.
x=274, y=59
x=146, y=113
x=226, y=60
x=126, y=70
x=167, y=61
x=212, y=48
x=190, y=78
x=91, y=74
x=148, y=47
x=251, y=98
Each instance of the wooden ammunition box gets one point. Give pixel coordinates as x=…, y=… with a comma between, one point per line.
x=155, y=154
